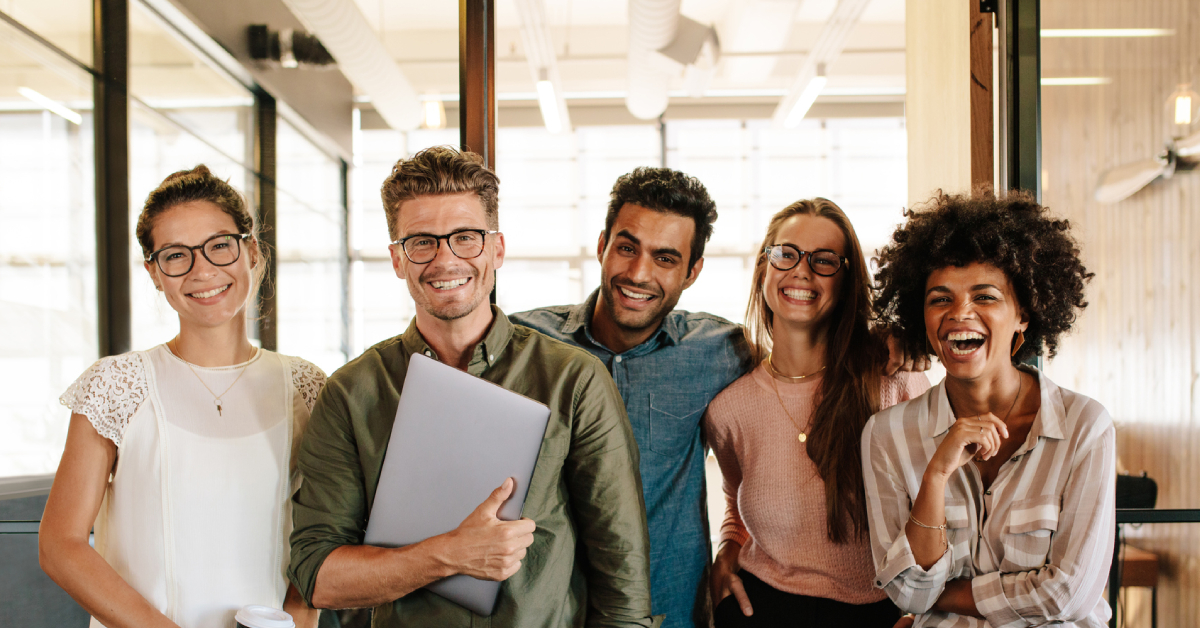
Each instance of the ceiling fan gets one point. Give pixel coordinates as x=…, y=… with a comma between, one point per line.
x=1124, y=181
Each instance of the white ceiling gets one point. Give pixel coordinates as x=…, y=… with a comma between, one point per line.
x=763, y=45
x=762, y=41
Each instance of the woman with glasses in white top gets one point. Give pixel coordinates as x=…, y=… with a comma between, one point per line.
x=182, y=455
x=990, y=497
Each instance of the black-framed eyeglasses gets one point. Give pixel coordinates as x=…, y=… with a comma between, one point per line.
x=177, y=260
x=423, y=247
x=823, y=262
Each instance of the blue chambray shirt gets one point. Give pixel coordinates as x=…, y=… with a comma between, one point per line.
x=666, y=383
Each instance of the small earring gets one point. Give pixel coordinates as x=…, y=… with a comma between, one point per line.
x=1018, y=341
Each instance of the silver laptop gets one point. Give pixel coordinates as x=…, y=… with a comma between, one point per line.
x=455, y=440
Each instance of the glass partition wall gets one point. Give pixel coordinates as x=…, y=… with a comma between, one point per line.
x=1119, y=82
x=47, y=236
x=310, y=251
x=184, y=111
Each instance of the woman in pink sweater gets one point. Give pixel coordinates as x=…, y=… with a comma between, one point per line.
x=794, y=548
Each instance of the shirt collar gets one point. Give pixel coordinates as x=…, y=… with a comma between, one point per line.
x=494, y=342
x=580, y=317
x=1048, y=423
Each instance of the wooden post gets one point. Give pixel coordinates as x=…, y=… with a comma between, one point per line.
x=938, y=97
x=477, y=77
x=110, y=56
x=266, y=114
x=982, y=142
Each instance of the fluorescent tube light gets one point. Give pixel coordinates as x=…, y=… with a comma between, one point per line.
x=1106, y=32
x=1076, y=80
x=807, y=98
x=51, y=105
x=548, y=103
x=434, y=114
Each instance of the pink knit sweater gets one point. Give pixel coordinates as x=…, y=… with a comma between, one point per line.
x=774, y=498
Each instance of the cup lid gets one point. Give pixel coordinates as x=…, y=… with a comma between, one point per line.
x=255, y=616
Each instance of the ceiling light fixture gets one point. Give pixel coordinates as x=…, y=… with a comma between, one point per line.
x=1105, y=32
x=548, y=103
x=1075, y=80
x=51, y=105
x=807, y=98
x=434, y=112
x=1182, y=107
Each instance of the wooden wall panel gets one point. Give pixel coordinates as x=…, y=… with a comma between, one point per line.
x=937, y=99
x=1136, y=348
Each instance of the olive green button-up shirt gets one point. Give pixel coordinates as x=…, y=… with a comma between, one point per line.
x=589, y=563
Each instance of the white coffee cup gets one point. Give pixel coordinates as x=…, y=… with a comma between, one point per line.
x=255, y=616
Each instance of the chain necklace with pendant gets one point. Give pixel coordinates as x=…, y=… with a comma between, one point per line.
x=802, y=437
x=216, y=397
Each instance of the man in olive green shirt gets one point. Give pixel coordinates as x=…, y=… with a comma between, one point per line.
x=581, y=555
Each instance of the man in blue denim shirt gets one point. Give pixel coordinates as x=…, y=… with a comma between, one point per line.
x=667, y=364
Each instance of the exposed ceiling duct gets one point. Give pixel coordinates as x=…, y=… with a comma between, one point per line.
x=543, y=64
x=360, y=55
x=695, y=51
x=825, y=51
x=652, y=26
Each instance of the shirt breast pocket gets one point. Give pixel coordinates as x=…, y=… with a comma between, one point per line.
x=1027, y=533
x=674, y=419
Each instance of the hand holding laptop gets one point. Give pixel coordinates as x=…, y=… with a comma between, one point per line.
x=486, y=547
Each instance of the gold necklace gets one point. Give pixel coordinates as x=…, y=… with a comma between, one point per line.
x=775, y=385
x=216, y=397
x=790, y=376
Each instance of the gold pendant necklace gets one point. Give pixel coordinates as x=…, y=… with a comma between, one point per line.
x=216, y=397
x=802, y=437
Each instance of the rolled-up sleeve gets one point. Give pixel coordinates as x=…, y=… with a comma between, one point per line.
x=605, y=492
x=913, y=589
x=329, y=509
x=1067, y=588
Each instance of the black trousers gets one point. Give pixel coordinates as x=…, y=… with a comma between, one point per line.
x=773, y=607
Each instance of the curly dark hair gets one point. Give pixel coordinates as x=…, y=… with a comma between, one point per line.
x=670, y=191
x=1015, y=234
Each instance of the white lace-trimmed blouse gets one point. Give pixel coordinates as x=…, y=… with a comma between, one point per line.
x=197, y=515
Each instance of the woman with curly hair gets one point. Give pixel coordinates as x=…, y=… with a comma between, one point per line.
x=794, y=546
x=990, y=496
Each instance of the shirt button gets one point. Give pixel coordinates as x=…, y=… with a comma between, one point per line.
x=428, y=353
x=617, y=359
x=491, y=358
x=988, y=492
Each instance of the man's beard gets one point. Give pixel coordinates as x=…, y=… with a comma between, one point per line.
x=455, y=311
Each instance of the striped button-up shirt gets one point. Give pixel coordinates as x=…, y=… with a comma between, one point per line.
x=1036, y=545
